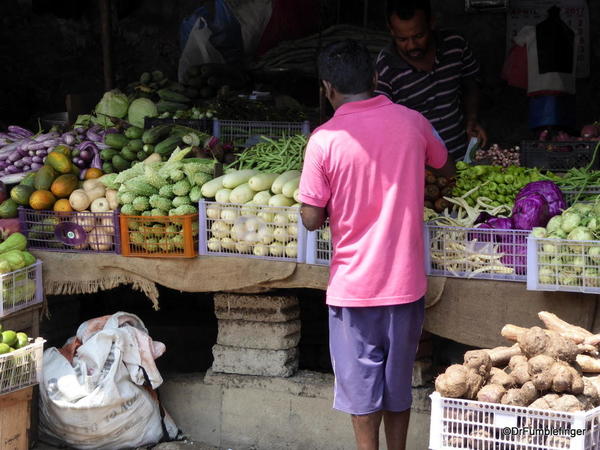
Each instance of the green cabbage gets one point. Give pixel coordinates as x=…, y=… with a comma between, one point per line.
x=140, y=108
x=114, y=104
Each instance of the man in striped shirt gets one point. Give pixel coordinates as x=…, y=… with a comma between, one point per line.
x=433, y=72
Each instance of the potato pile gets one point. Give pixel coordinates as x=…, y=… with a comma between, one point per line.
x=544, y=369
x=436, y=188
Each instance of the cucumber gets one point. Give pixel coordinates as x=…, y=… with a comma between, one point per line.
x=155, y=134
x=135, y=145
x=107, y=168
x=108, y=153
x=148, y=148
x=120, y=163
x=145, y=78
x=116, y=140
x=141, y=155
x=167, y=106
x=134, y=132
x=128, y=154
x=172, y=96
x=167, y=146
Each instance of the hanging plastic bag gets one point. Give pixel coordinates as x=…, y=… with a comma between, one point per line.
x=514, y=70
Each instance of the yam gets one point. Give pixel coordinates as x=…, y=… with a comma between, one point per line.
x=522, y=396
x=499, y=376
x=478, y=360
x=533, y=341
x=588, y=364
x=565, y=329
x=491, y=393
x=500, y=356
x=536, y=341
x=519, y=369
x=590, y=390
x=512, y=332
x=474, y=383
x=566, y=379
x=567, y=403
x=453, y=382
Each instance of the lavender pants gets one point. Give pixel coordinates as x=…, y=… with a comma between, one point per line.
x=373, y=351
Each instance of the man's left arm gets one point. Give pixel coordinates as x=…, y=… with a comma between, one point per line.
x=471, y=95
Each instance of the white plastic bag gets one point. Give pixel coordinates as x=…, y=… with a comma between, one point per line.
x=98, y=401
x=198, y=50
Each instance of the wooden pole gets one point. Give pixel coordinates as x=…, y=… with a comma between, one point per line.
x=105, y=28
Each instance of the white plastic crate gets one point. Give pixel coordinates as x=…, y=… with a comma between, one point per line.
x=588, y=194
x=563, y=265
x=22, y=367
x=244, y=133
x=467, y=424
x=263, y=232
x=21, y=289
x=318, y=246
x=476, y=253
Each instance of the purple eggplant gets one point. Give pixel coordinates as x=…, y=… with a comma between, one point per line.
x=19, y=130
x=12, y=169
x=97, y=161
x=36, y=166
x=46, y=136
x=3, y=192
x=68, y=139
x=42, y=152
x=86, y=155
x=14, y=156
x=93, y=136
x=36, y=159
x=26, y=168
x=27, y=160
x=4, y=156
x=3, y=165
x=19, y=164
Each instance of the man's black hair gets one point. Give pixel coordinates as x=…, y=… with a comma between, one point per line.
x=348, y=66
x=406, y=9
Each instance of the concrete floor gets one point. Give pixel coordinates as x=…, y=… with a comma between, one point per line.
x=185, y=445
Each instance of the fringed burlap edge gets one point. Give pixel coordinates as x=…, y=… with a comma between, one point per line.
x=108, y=281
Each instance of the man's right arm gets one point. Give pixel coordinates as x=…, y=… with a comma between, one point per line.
x=436, y=153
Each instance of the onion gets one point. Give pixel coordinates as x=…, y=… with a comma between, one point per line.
x=589, y=131
x=80, y=163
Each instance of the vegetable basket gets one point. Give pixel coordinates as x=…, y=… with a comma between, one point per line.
x=462, y=424
x=78, y=232
x=21, y=289
x=558, y=156
x=21, y=368
x=242, y=133
x=318, y=246
x=203, y=125
x=589, y=194
x=159, y=236
x=490, y=254
x=263, y=232
x=563, y=265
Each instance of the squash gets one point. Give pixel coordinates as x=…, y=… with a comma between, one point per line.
x=93, y=173
x=64, y=185
x=79, y=200
x=59, y=162
x=100, y=205
x=21, y=193
x=113, y=201
x=100, y=241
x=95, y=193
x=88, y=185
x=8, y=209
x=85, y=220
x=44, y=178
x=63, y=149
x=42, y=199
x=29, y=179
x=62, y=205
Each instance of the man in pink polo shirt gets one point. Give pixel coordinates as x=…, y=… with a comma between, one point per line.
x=364, y=168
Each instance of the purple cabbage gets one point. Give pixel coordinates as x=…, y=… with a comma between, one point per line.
x=550, y=191
x=530, y=211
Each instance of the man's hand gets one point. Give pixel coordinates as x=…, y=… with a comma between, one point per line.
x=476, y=130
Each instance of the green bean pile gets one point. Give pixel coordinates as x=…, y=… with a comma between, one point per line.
x=273, y=156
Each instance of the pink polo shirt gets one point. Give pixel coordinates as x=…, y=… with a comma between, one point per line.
x=367, y=166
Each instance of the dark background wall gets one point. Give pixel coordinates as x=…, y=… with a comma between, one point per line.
x=49, y=48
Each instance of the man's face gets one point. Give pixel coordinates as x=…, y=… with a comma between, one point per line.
x=413, y=36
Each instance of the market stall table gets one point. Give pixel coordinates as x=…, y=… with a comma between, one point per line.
x=471, y=312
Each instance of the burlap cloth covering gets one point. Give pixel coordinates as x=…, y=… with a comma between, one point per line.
x=467, y=311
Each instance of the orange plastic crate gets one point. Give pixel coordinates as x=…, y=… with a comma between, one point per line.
x=159, y=236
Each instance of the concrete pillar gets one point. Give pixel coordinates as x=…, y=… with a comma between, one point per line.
x=258, y=335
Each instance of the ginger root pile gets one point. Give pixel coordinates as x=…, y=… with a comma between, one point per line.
x=543, y=370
